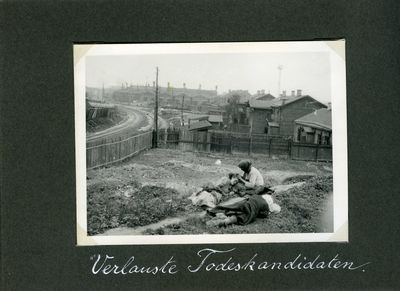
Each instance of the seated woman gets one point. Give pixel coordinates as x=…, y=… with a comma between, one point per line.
x=251, y=177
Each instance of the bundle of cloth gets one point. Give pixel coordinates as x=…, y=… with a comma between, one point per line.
x=208, y=197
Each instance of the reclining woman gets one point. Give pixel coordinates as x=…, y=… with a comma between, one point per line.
x=244, y=211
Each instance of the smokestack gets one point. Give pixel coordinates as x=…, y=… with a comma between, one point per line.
x=263, y=91
x=168, y=85
x=154, y=84
x=293, y=93
x=199, y=86
x=298, y=92
x=284, y=93
x=184, y=85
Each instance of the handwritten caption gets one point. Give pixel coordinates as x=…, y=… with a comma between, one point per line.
x=213, y=260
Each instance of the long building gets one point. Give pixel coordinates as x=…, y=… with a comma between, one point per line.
x=168, y=96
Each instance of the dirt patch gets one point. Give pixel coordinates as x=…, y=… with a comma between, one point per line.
x=131, y=205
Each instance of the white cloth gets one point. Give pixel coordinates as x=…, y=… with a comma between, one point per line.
x=273, y=207
x=254, y=177
x=205, y=198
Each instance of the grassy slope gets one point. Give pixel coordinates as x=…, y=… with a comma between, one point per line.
x=116, y=195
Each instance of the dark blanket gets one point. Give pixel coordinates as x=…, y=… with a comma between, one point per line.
x=246, y=210
x=241, y=190
x=258, y=190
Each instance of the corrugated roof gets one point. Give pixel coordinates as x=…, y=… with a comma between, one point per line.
x=203, y=124
x=321, y=118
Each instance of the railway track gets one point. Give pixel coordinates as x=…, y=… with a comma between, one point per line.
x=138, y=121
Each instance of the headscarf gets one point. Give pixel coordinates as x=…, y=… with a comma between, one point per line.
x=245, y=166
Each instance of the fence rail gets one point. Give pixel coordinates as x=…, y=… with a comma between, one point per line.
x=115, y=149
x=110, y=150
x=311, y=152
x=228, y=142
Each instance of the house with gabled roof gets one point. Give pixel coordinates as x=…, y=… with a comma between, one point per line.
x=277, y=116
x=315, y=127
x=204, y=122
x=200, y=125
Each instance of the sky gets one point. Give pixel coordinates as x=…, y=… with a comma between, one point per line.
x=308, y=71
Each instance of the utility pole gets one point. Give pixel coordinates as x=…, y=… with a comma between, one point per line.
x=280, y=68
x=183, y=102
x=102, y=94
x=251, y=132
x=156, y=113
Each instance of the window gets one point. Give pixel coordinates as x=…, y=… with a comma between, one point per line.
x=310, y=137
x=319, y=138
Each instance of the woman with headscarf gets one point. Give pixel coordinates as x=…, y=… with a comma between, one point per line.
x=252, y=177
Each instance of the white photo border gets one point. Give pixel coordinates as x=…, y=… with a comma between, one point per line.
x=336, y=50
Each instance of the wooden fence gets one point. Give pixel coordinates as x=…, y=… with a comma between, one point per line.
x=114, y=149
x=311, y=152
x=229, y=142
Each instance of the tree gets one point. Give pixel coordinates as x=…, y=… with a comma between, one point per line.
x=232, y=109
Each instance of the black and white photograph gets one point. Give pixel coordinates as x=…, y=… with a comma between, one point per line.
x=185, y=143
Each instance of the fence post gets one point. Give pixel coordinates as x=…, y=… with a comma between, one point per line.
x=290, y=148
x=316, y=153
x=269, y=147
x=209, y=141
x=230, y=142
x=249, y=147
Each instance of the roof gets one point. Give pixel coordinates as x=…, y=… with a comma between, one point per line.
x=261, y=104
x=265, y=97
x=99, y=105
x=321, y=118
x=209, y=117
x=215, y=118
x=278, y=102
x=273, y=124
x=243, y=100
x=203, y=124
